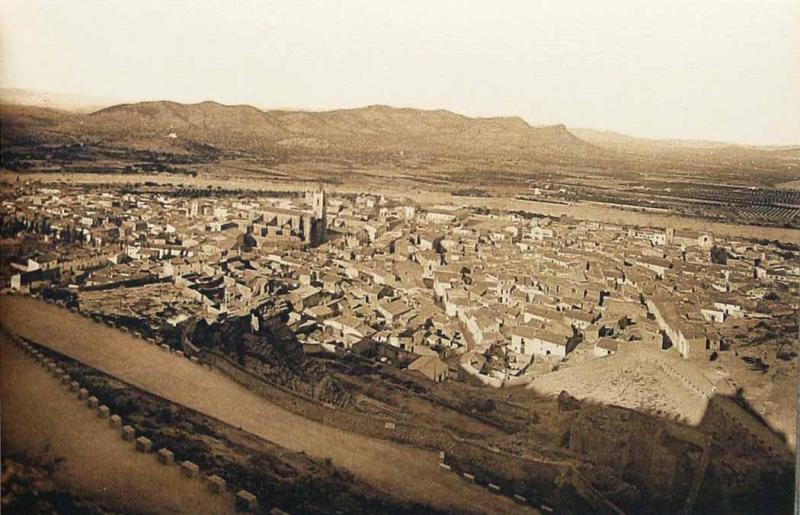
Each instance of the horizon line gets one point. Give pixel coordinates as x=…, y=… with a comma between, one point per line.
x=115, y=101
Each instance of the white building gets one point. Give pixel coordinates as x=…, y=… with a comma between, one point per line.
x=529, y=340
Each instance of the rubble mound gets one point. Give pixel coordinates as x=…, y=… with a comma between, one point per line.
x=270, y=350
x=567, y=402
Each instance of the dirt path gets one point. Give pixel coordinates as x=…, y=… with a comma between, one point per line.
x=403, y=471
x=39, y=413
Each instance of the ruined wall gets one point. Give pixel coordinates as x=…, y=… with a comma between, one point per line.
x=261, y=385
x=668, y=464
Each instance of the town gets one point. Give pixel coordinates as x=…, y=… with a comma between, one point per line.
x=413, y=258
x=442, y=291
x=383, y=311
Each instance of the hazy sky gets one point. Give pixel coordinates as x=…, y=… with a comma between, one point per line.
x=714, y=70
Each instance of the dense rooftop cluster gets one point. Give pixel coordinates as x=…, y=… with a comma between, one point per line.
x=505, y=296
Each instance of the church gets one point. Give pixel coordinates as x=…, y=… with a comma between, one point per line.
x=315, y=225
x=307, y=227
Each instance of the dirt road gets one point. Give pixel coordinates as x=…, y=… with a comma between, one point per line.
x=405, y=472
x=39, y=413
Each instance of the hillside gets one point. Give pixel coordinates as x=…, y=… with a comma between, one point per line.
x=378, y=135
x=373, y=129
x=207, y=122
x=28, y=125
x=394, y=128
x=62, y=101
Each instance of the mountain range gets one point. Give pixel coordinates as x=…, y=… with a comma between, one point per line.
x=373, y=130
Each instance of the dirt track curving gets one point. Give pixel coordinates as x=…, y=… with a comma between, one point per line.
x=41, y=414
x=404, y=472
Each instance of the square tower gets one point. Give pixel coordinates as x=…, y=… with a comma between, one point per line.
x=319, y=203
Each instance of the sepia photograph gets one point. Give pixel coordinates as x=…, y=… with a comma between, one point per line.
x=421, y=257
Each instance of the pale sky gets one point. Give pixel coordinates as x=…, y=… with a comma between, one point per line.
x=716, y=70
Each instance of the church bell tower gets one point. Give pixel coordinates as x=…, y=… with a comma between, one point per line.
x=319, y=202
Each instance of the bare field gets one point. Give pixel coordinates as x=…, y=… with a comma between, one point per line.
x=600, y=213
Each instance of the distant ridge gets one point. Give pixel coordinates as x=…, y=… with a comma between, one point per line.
x=601, y=139
x=375, y=134
x=62, y=101
x=624, y=143
x=371, y=129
